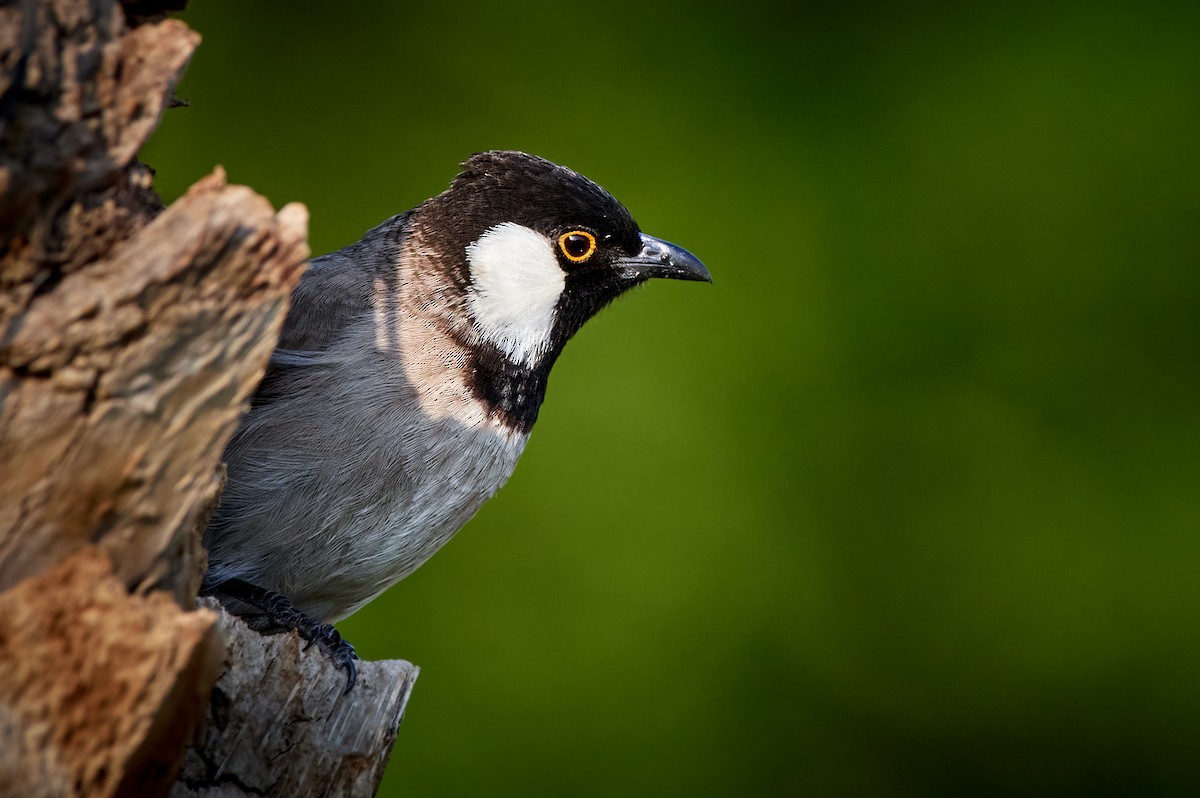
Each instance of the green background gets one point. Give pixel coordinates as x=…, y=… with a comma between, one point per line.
x=907, y=502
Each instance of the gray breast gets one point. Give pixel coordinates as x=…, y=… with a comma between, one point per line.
x=350, y=478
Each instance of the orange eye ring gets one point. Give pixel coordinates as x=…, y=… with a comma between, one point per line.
x=577, y=245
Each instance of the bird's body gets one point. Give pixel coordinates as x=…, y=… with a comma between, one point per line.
x=397, y=475
x=408, y=376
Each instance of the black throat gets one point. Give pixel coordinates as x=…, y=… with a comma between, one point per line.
x=511, y=392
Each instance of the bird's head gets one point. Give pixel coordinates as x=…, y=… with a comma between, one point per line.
x=538, y=249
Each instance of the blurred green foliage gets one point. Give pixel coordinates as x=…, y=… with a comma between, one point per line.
x=908, y=502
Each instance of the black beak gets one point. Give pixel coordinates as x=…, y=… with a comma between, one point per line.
x=659, y=258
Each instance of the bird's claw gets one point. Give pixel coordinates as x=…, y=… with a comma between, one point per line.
x=330, y=641
x=281, y=614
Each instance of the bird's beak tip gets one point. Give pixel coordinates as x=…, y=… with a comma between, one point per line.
x=663, y=259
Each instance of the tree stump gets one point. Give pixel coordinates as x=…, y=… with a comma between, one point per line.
x=131, y=339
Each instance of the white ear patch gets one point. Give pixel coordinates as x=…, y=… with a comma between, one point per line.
x=515, y=285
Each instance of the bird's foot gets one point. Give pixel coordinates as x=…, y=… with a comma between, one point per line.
x=275, y=612
x=330, y=641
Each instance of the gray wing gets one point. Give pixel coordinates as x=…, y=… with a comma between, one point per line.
x=336, y=291
x=296, y=437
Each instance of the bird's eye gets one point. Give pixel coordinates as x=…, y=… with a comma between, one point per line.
x=577, y=245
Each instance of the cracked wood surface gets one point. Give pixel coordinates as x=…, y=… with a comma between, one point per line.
x=131, y=338
x=122, y=385
x=280, y=721
x=101, y=688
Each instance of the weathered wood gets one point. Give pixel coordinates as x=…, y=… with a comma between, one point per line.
x=122, y=385
x=101, y=688
x=280, y=723
x=131, y=339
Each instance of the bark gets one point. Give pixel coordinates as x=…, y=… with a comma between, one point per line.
x=101, y=688
x=131, y=338
x=280, y=722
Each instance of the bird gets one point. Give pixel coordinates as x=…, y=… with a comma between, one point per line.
x=408, y=375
